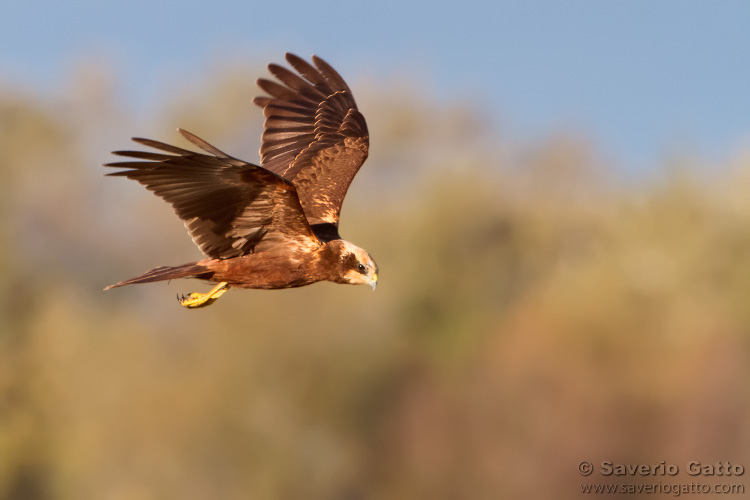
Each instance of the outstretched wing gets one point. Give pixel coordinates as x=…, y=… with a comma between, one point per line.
x=313, y=135
x=230, y=207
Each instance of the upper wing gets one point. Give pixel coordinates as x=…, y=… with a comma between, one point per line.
x=230, y=207
x=313, y=135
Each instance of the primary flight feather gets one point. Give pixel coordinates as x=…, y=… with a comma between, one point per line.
x=274, y=225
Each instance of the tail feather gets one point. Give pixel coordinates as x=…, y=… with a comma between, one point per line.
x=163, y=273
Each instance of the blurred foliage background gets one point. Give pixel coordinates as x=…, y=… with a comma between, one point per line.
x=536, y=308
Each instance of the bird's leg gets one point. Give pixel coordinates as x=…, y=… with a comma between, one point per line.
x=196, y=300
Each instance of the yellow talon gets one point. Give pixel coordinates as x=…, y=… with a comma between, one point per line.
x=196, y=300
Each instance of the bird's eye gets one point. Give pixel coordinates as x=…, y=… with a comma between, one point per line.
x=361, y=268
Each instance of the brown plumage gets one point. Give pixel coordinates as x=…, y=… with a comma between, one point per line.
x=275, y=225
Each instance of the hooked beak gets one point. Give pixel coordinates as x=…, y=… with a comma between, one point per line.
x=374, y=282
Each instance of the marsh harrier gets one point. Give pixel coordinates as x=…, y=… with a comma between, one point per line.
x=274, y=225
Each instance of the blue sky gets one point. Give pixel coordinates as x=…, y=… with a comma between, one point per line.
x=643, y=79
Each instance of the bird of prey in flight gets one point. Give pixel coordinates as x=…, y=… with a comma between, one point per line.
x=273, y=225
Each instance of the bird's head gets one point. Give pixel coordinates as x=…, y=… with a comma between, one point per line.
x=356, y=265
